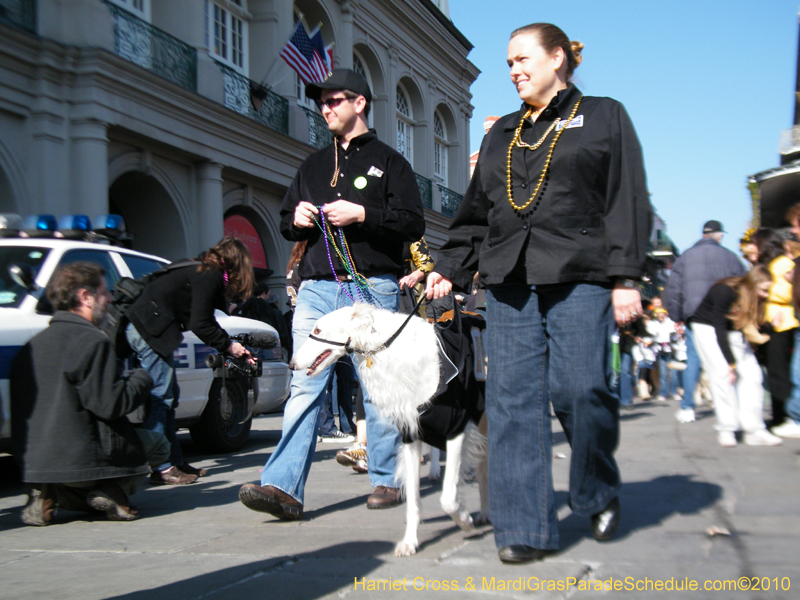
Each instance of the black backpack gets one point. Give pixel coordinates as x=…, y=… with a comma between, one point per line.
x=126, y=292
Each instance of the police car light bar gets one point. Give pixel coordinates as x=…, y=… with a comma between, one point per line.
x=10, y=224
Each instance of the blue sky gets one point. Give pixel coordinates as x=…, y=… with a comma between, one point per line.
x=709, y=85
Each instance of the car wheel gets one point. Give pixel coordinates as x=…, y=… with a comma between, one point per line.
x=220, y=428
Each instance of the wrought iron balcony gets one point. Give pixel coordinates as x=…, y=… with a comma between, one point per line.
x=153, y=49
x=319, y=135
x=450, y=201
x=255, y=101
x=19, y=13
x=425, y=190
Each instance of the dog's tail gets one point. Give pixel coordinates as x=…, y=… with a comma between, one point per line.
x=473, y=451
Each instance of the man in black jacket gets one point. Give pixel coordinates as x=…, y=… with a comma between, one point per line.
x=75, y=446
x=364, y=196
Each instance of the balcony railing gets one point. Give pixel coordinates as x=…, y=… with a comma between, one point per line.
x=19, y=13
x=319, y=135
x=255, y=101
x=450, y=201
x=425, y=190
x=153, y=49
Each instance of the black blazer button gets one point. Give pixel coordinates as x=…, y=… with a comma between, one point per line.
x=584, y=232
x=525, y=227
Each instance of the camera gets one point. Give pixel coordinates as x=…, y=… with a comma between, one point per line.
x=231, y=367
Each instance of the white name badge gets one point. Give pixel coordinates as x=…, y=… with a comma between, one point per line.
x=375, y=172
x=576, y=122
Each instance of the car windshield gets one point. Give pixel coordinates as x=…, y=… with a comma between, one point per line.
x=11, y=293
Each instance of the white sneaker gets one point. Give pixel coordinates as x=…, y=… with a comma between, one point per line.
x=685, y=415
x=762, y=437
x=338, y=437
x=726, y=439
x=788, y=429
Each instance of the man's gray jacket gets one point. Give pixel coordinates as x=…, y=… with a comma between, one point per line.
x=693, y=274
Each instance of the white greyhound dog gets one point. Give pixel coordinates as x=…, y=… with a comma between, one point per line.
x=400, y=378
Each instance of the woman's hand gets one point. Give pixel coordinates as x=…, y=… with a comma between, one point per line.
x=627, y=304
x=732, y=374
x=304, y=215
x=237, y=350
x=438, y=286
x=412, y=280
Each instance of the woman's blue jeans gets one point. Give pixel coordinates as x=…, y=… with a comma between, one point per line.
x=549, y=344
x=288, y=465
x=163, y=396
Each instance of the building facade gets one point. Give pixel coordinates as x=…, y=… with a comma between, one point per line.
x=180, y=115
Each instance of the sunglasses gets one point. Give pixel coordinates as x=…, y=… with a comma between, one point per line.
x=332, y=103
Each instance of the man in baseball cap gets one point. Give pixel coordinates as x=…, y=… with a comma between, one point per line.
x=365, y=194
x=341, y=79
x=713, y=227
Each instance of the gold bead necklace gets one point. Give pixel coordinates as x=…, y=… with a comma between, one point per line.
x=336, y=165
x=516, y=142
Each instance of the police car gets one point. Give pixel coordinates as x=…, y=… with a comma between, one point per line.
x=31, y=251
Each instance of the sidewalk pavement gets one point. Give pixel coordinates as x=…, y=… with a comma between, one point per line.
x=692, y=511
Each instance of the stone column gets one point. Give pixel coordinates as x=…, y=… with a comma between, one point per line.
x=89, y=167
x=49, y=180
x=345, y=41
x=209, y=204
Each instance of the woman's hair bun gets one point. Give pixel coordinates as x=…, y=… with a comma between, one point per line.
x=576, y=51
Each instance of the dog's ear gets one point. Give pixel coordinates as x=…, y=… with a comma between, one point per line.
x=363, y=315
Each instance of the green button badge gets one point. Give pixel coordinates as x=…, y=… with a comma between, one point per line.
x=360, y=183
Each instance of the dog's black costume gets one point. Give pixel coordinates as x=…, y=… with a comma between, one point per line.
x=459, y=398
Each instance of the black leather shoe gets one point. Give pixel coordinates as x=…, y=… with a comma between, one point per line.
x=604, y=524
x=519, y=553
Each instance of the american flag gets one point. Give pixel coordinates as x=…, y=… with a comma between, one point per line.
x=326, y=52
x=300, y=53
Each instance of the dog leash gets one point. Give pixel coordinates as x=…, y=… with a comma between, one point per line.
x=346, y=345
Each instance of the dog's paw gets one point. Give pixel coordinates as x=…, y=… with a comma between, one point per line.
x=435, y=474
x=405, y=548
x=463, y=520
x=483, y=519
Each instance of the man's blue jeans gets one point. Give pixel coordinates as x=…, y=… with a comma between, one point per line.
x=549, y=344
x=163, y=396
x=792, y=405
x=288, y=466
x=692, y=372
x=668, y=379
x=626, y=379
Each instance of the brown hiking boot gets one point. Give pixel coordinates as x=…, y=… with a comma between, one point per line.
x=109, y=498
x=384, y=497
x=41, y=505
x=270, y=500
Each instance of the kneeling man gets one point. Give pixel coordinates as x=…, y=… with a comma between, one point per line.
x=76, y=448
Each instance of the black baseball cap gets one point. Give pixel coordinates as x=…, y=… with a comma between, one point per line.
x=713, y=227
x=340, y=79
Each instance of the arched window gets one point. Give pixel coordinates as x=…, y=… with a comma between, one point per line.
x=439, y=149
x=405, y=125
